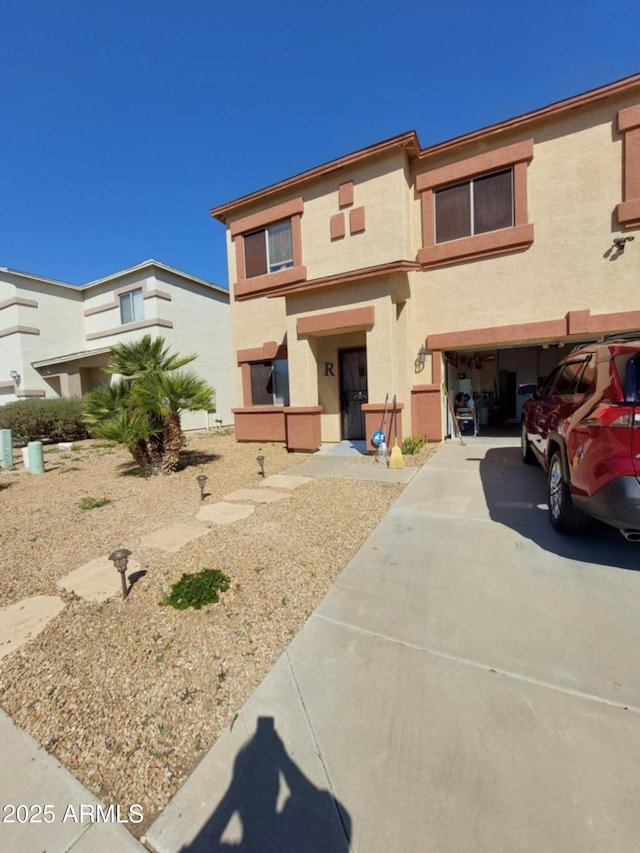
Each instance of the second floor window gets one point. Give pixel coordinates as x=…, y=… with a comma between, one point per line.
x=268, y=250
x=131, y=306
x=474, y=207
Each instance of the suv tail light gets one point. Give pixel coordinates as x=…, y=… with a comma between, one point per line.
x=611, y=415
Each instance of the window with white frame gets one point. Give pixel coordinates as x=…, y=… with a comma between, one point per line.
x=268, y=250
x=131, y=306
x=270, y=383
x=475, y=206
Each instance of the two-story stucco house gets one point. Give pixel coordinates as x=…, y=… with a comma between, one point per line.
x=55, y=338
x=398, y=268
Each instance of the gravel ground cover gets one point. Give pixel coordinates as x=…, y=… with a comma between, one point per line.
x=128, y=695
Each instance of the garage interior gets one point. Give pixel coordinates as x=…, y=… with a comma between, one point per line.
x=483, y=384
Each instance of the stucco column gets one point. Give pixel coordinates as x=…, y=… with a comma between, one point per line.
x=70, y=385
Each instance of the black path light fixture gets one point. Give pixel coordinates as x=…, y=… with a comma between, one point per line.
x=202, y=479
x=260, y=461
x=120, y=558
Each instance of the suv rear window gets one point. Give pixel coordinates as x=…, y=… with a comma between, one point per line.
x=628, y=368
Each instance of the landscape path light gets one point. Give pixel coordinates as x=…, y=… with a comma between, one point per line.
x=260, y=460
x=202, y=479
x=120, y=558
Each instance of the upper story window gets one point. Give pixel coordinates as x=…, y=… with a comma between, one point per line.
x=131, y=306
x=474, y=207
x=268, y=250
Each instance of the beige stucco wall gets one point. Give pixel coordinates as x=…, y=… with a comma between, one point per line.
x=574, y=185
x=58, y=317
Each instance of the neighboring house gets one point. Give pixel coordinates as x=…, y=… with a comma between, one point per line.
x=55, y=339
x=397, y=268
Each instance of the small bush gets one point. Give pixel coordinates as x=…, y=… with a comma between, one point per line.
x=93, y=503
x=413, y=444
x=197, y=590
x=41, y=419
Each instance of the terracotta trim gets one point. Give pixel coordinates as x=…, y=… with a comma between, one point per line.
x=267, y=352
x=18, y=300
x=345, y=194
x=575, y=323
x=628, y=211
x=337, y=321
x=356, y=220
x=426, y=411
x=303, y=410
x=263, y=284
x=629, y=118
x=436, y=370
x=130, y=327
x=9, y=384
x=19, y=330
x=337, y=226
x=260, y=423
x=489, y=161
x=265, y=217
x=372, y=408
x=349, y=277
x=408, y=141
x=477, y=246
x=610, y=90
x=495, y=335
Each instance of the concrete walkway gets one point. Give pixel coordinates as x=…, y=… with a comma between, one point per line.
x=470, y=683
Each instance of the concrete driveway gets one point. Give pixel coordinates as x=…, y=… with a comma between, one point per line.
x=471, y=683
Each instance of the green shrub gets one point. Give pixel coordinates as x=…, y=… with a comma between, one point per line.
x=42, y=419
x=197, y=590
x=413, y=444
x=93, y=503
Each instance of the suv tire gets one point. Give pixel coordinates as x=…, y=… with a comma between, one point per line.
x=563, y=515
x=525, y=448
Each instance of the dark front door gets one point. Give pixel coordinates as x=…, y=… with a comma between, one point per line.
x=353, y=392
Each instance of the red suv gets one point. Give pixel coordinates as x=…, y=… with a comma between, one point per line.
x=583, y=426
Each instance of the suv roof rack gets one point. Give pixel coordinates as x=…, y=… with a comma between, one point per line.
x=621, y=336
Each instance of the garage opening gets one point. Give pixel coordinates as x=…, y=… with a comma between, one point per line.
x=487, y=381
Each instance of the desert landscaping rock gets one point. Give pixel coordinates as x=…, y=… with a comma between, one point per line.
x=20, y=622
x=285, y=481
x=172, y=538
x=224, y=513
x=262, y=496
x=129, y=695
x=96, y=580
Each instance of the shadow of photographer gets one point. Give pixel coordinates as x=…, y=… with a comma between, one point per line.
x=310, y=821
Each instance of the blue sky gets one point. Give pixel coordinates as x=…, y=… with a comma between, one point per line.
x=124, y=122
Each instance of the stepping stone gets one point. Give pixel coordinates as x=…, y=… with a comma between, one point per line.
x=96, y=580
x=285, y=481
x=261, y=496
x=172, y=538
x=224, y=513
x=23, y=621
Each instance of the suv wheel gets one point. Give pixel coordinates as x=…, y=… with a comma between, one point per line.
x=563, y=515
x=527, y=453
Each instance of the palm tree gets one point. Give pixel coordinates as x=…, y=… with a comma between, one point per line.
x=141, y=410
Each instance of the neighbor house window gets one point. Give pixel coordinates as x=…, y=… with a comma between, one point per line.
x=474, y=207
x=270, y=383
x=268, y=250
x=131, y=306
